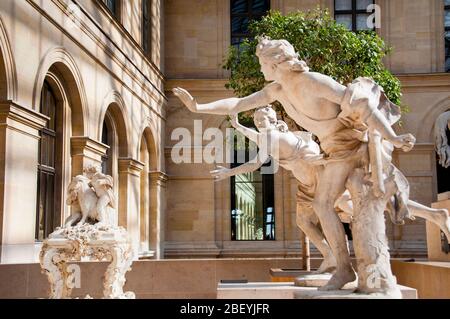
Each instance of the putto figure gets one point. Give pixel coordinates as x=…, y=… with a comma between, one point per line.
x=348, y=121
x=91, y=198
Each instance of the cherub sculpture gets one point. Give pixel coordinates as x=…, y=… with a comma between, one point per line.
x=91, y=196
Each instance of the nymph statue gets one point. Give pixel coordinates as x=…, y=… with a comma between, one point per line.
x=299, y=153
x=350, y=122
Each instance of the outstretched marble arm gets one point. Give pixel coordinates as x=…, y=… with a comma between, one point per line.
x=226, y=106
x=248, y=132
x=221, y=172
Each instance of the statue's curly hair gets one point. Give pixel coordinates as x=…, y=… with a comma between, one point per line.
x=280, y=51
x=269, y=112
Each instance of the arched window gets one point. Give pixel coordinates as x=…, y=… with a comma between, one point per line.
x=242, y=13
x=49, y=166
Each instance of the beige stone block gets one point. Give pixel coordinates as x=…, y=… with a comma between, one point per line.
x=14, y=281
x=184, y=277
x=434, y=244
x=429, y=278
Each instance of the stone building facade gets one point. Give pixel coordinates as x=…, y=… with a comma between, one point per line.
x=73, y=73
x=89, y=82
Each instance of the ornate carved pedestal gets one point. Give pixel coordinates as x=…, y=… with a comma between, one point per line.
x=91, y=242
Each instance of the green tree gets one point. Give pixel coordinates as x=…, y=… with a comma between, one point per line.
x=326, y=46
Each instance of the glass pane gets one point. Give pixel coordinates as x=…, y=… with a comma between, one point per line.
x=239, y=25
x=447, y=2
x=363, y=4
x=361, y=22
x=447, y=51
x=249, y=213
x=111, y=4
x=260, y=6
x=239, y=6
x=345, y=19
x=447, y=18
x=343, y=4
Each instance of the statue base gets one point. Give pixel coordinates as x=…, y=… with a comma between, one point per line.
x=319, y=280
x=288, y=290
x=87, y=242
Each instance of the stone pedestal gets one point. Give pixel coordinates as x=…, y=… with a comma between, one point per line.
x=91, y=242
x=437, y=244
x=288, y=290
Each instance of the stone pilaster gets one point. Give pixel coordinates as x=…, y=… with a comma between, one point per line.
x=19, y=144
x=85, y=151
x=129, y=198
x=158, y=181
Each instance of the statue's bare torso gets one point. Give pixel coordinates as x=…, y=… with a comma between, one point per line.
x=310, y=99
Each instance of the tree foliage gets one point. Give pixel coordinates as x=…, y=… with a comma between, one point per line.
x=326, y=46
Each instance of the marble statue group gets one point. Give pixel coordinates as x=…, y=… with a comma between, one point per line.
x=348, y=176
x=90, y=232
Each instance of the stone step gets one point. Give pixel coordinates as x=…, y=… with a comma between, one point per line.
x=288, y=290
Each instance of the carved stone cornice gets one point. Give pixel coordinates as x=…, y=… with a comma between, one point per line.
x=22, y=119
x=429, y=81
x=158, y=178
x=85, y=146
x=130, y=166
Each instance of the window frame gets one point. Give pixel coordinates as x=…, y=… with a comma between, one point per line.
x=354, y=12
x=46, y=170
x=267, y=181
x=117, y=12
x=249, y=14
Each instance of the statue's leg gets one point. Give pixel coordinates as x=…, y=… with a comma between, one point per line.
x=331, y=185
x=306, y=221
x=440, y=217
x=101, y=209
x=370, y=243
x=82, y=220
x=72, y=219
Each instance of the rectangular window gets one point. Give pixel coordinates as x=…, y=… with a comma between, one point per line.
x=352, y=13
x=146, y=26
x=447, y=35
x=242, y=13
x=252, y=203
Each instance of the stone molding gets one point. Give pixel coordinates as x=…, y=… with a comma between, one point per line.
x=87, y=147
x=130, y=166
x=22, y=119
x=158, y=178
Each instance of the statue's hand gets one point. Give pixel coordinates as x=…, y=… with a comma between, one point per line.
x=220, y=173
x=186, y=98
x=405, y=142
